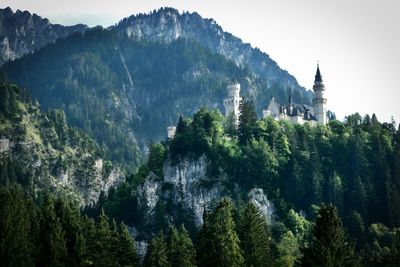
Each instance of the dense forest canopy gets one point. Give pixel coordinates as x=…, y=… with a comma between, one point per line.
x=354, y=165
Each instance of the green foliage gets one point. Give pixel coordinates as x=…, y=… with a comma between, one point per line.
x=17, y=228
x=195, y=138
x=53, y=251
x=157, y=156
x=218, y=243
x=55, y=233
x=383, y=247
x=181, y=252
x=256, y=241
x=42, y=147
x=157, y=253
x=329, y=246
x=126, y=248
x=247, y=121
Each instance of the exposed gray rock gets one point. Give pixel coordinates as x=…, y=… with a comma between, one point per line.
x=149, y=192
x=187, y=180
x=260, y=200
x=22, y=33
x=184, y=184
x=167, y=25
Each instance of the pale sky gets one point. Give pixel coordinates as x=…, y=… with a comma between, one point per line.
x=357, y=42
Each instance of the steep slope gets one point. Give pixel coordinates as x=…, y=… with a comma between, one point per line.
x=22, y=33
x=124, y=86
x=40, y=151
x=167, y=25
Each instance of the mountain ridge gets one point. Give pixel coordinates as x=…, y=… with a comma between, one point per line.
x=133, y=85
x=22, y=32
x=209, y=34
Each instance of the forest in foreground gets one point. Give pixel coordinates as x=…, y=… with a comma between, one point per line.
x=335, y=189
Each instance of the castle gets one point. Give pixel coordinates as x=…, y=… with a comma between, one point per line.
x=292, y=112
x=232, y=103
x=295, y=113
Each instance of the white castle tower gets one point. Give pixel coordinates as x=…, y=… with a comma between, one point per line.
x=232, y=102
x=171, y=130
x=319, y=100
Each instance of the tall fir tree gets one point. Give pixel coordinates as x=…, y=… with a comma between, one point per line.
x=157, y=254
x=54, y=247
x=247, y=121
x=218, y=243
x=16, y=232
x=70, y=219
x=181, y=252
x=127, y=255
x=329, y=246
x=256, y=241
x=100, y=243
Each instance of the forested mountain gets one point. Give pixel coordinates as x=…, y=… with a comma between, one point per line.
x=260, y=193
x=168, y=24
x=125, y=90
x=39, y=151
x=22, y=33
x=353, y=165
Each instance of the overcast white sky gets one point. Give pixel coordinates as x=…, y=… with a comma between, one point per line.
x=357, y=42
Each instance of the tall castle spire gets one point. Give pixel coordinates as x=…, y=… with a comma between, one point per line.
x=319, y=101
x=318, y=76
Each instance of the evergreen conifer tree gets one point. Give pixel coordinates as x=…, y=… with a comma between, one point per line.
x=16, y=247
x=127, y=255
x=54, y=247
x=247, y=121
x=329, y=246
x=181, y=252
x=70, y=219
x=256, y=241
x=218, y=243
x=156, y=255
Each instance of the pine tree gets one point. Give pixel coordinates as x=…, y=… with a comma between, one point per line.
x=54, y=248
x=218, y=243
x=256, y=241
x=70, y=219
x=16, y=247
x=127, y=254
x=156, y=255
x=181, y=252
x=247, y=121
x=182, y=125
x=100, y=242
x=329, y=246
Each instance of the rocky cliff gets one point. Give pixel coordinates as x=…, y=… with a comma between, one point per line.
x=168, y=24
x=187, y=186
x=22, y=32
x=40, y=151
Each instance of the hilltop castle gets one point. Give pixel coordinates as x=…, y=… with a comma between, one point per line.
x=292, y=112
x=295, y=113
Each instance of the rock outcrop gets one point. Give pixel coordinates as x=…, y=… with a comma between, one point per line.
x=22, y=33
x=186, y=184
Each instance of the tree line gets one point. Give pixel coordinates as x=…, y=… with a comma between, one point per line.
x=52, y=231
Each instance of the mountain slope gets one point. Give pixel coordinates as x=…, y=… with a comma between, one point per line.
x=22, y=33
x=124, y=90
x=167, y=24
x=40, y=151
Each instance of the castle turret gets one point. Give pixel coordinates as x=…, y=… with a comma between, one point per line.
x=171, y=130
x=319, y=101
x=232, y=102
